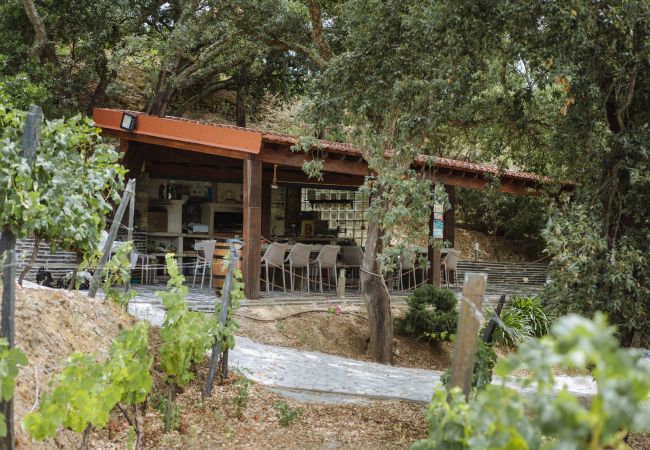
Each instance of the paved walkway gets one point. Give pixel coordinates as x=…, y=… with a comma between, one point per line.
x=323, y=377
x=330, y=375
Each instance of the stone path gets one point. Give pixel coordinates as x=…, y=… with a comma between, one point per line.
x=322, y=377
x=318, y=374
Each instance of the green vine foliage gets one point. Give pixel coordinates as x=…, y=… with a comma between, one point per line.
x=86, y=391
x=129, y=364
x=118, y=275
x=66, y=196
x=186, y=335
x=500, y=417
x=10, y=361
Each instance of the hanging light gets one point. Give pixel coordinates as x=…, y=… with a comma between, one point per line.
x=274, y=183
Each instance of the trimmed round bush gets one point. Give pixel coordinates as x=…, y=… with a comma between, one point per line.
x=431, y=315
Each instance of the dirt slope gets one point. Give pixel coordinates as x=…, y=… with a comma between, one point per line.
x=50, y=325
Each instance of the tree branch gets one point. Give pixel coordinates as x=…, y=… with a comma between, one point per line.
x=317, y=30
x=42, y=47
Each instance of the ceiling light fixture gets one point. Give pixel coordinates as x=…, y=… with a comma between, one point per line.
x=274, y=183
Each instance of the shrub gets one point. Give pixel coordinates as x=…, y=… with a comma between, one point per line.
x=431, y=314
x=523, y=318
x=532, y=309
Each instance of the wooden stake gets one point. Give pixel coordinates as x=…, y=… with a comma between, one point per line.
x=462, y=367
x=117, y=220
x=223, y=316
x=31, y=134
x=129, y=237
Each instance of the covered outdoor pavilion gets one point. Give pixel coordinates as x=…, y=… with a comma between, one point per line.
x=178, y=148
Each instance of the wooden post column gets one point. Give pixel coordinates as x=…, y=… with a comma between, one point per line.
x=449, y=225
x=434, y=258
x=267, y=179
x=251, y=264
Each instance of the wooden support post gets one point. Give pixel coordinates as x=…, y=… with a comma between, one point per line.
x=31, y=134
x=8, y=332
x=434, y=258
x=267, y=193
x=129, y=236
x=251, y=261
x=469, y=321
x=106, y=251
x=9, y=290
x=449, y=217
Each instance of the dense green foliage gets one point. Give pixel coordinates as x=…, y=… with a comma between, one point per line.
x=431, y=314
x=589, y=274
x=500, y=417
x=521, y=319
x=86, y=391
x=65, y=197
x=559, y=89
x=177, y=52
x=10, y=361
x=520, y=219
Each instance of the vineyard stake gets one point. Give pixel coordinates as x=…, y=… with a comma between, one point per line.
x=223, y=315
x=117, y=220
x=462, y=366
x=129, y=238
x=31, y=135
x=489, y=330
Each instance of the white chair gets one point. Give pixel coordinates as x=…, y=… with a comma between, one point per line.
x=298, y=258
x=274, y=258
x=204, y=257
x=449, y=263
x=326, y=259
x=353, y=259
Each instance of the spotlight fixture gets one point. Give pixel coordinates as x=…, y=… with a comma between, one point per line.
x=128, y=121
x=274, y=183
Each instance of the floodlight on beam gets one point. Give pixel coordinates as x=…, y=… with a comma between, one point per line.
x=128, y=121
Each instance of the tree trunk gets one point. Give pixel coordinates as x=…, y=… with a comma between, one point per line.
x=105, y=78
x=240, y=108
x=42, y=47
x=317, y=34
x=85, y=438
x=28, y=266
x=73, y=281
x=375, y=295
x=165, y=90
